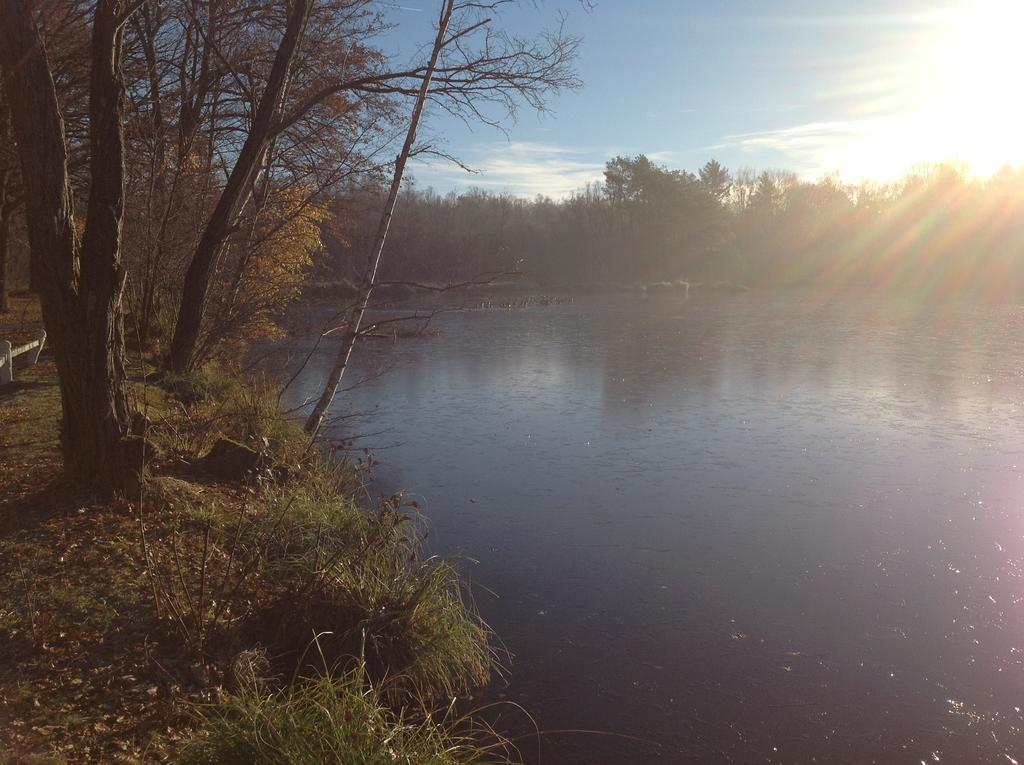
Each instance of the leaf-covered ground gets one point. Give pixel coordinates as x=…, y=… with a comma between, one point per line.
x=88, y=672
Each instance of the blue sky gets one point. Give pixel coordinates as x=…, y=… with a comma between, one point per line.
x=866, y=89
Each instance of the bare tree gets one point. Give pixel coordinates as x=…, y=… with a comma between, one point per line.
x=197, y=73
x=316, y=416
x=481, y=75
x=236, y=191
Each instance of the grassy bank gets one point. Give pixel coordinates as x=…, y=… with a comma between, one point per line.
x=243, y=608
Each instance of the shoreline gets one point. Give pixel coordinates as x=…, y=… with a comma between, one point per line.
x=140, y=629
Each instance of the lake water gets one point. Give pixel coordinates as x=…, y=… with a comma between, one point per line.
x=731, y=528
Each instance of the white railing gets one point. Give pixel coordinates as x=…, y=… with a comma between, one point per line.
x=9, y=353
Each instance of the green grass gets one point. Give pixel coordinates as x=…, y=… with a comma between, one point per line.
x=405, y=618
x=334, y=720
x=195, y=408
x=207, y=383
x=301, y=559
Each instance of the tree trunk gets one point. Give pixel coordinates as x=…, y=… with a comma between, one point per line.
x=316, y=417
x=5, y=237
x=197, y=278
x=6, y=207
x=80, y=284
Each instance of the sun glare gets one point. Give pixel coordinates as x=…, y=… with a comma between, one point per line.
x=949, y=92
x=980, y=116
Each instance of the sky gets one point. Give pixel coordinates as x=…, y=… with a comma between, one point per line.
x=865, y=89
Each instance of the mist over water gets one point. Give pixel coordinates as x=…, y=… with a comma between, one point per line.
x=749, y=528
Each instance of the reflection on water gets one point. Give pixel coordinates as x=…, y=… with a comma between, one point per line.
x=765, y=529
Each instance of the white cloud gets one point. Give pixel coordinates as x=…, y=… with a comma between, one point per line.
x=663, y=157
x=811, y=146
x=875, y=147
x=524, y=168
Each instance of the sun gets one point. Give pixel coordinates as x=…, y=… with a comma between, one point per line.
x=978, y=112
x=944, y=88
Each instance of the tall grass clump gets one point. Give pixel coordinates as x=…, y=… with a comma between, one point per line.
x=282, y=558
x=302, y=559
x=335, y=719
x=358, y=578
x=207, y=383
x=211, y=403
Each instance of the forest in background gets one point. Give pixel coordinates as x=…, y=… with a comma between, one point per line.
x=937, y=230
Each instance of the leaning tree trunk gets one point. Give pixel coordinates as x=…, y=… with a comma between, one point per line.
x=236, y=190
x=80, y=283
x=355, y=319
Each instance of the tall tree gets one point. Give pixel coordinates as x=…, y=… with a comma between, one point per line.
x=81, y=278
x=716, y=179
x=236, y=191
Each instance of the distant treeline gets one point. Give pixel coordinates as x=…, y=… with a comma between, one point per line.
x=937, y=230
